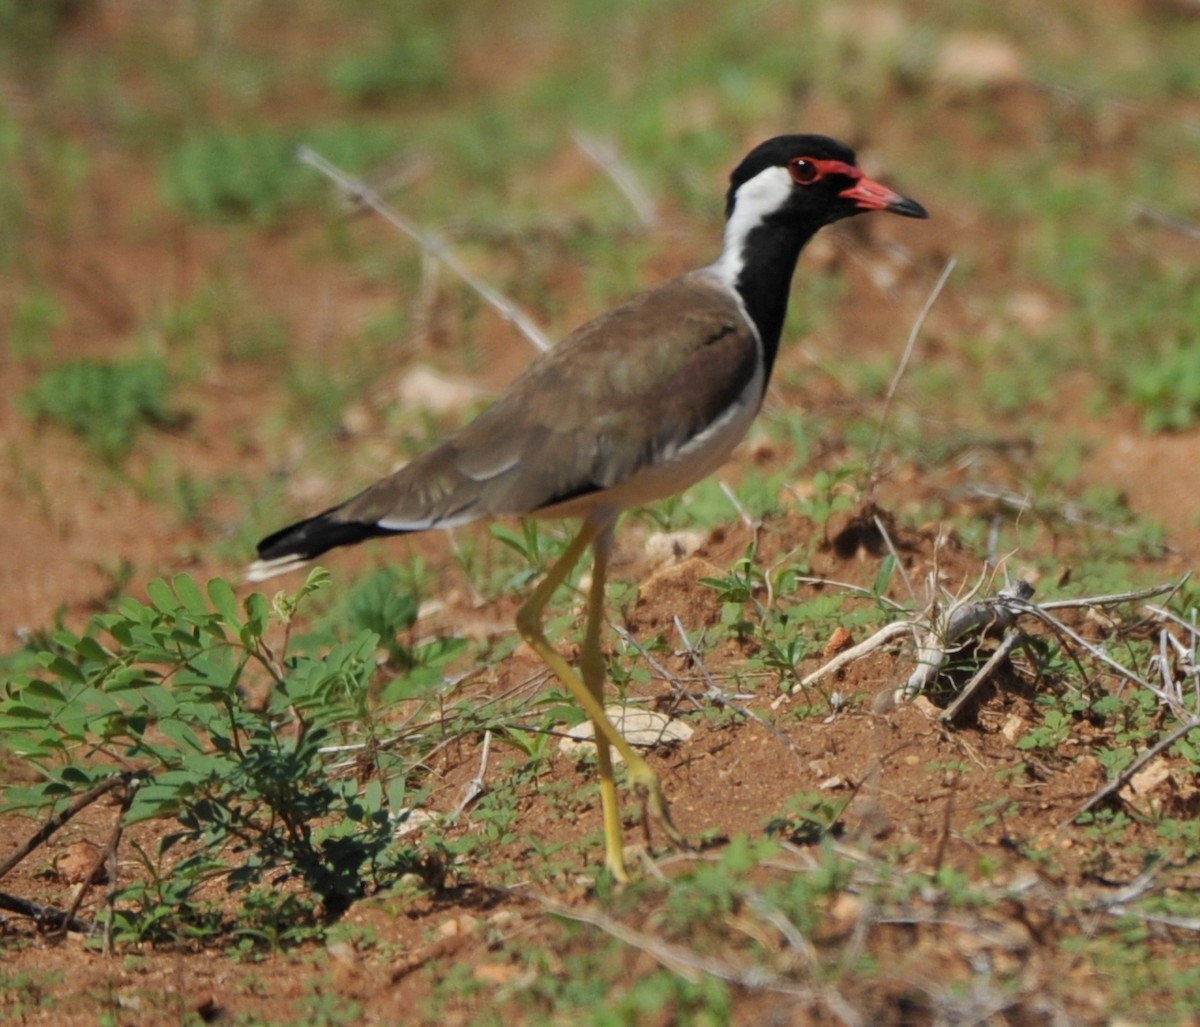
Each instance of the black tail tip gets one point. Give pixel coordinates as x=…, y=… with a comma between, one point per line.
x=308, y=539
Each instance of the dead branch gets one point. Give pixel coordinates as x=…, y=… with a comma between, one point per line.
x=882, y=637
x=47, y=915
x=59, y=819
x=947, y=634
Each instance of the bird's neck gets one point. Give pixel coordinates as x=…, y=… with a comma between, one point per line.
x=758, y=262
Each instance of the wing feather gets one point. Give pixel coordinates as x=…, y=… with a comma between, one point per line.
x=622, y=393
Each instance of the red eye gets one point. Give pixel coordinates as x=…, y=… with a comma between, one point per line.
x=803, y=170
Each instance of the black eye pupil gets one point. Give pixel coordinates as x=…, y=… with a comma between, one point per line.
x=804, y=170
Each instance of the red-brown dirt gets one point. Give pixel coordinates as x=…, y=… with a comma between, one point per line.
x=77, y=532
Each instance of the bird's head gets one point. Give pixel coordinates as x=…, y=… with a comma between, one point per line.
x=809, y=181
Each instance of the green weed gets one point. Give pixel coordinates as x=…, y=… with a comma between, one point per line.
x=1168, y=389
x=256, y=175
x=38, y=316
x=161, y=685
x=105, y=403
x=420, y=60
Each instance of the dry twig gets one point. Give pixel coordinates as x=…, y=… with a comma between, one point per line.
x=430, y=243
x=48, y=829
x=603, y=153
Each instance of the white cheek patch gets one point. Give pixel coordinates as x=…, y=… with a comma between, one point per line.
x=755, y=199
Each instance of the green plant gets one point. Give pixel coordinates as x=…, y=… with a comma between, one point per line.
x=162, y=685
x=256, y=175
x=421, y=59
x=104, y=403
x=36, y=318
x=226, y=175
x=807, y=818
x=1168, y=389
x=1049, y=735
x=380, y=605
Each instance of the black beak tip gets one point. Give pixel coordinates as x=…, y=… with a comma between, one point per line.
x=908, y=208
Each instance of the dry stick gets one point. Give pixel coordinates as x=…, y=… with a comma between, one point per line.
x=686, y=963
x=1010, y=641
x=603, y=153
x=1126, y=775
x=1117, y=598
x=908, y=352
x=44, y=914
x=881, y=638
x=107, y=855
x=715, y=694
x=430, y=243
x=59, y=819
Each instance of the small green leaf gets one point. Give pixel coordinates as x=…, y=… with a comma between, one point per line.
x=883, y=579
x=257, y=612
x=43, y=690
x=62, y=667
x=221, y=594
x=161, y=595
x=189, y=594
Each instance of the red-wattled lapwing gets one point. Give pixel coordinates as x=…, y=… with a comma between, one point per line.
x=633, y=406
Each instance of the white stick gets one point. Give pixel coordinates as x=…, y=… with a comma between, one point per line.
x=430, y=243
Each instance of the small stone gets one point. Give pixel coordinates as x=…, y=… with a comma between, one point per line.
x=81, y=862
x=643, y=728
x=978, y=60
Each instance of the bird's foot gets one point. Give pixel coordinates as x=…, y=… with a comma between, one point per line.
x=645, y=783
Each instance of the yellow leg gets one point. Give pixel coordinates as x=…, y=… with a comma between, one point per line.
x=589, y=695
x=591, y=667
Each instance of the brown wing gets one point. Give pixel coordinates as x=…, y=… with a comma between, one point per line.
x=619, y=394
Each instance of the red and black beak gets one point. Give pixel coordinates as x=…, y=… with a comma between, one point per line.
x=870, y=195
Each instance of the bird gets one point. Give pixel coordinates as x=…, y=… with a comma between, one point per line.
x=631, y=407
